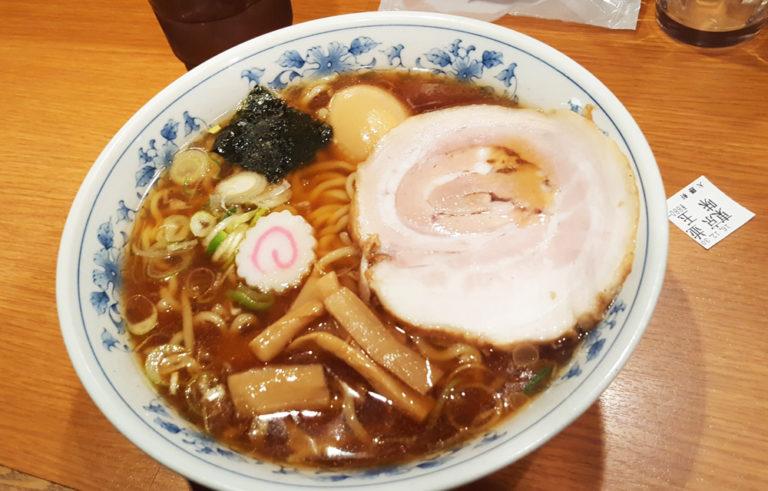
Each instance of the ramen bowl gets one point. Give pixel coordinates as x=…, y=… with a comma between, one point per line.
x=92, y=245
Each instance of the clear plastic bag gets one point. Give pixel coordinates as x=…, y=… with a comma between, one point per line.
x=613, y=14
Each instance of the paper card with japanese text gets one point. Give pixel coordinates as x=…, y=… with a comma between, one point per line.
x=705, y=213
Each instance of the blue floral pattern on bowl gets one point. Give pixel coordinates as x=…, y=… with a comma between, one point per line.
x=152, y=160
x=461, y=61
x=471, y=62
x=200, y=442
x=465, y=64
x=318, y=62
x=595, y=340
x=106, y=278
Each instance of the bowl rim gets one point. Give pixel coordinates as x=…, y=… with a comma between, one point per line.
x=579, y=400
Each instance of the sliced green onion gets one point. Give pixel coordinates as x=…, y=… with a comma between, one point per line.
x=536, y=383
x=237, y=220
x=227, y=250
x=141, y=307
x=157, y=358
x=202, y=223
x=181, y=246
x=189, y=166
x=214, y=164
x=251, y=299
x=259, y=212
x=216, y=242
x=241, y=188
x=175, y=228
x=228, y=223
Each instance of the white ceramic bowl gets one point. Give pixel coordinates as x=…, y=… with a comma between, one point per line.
x=88, y=275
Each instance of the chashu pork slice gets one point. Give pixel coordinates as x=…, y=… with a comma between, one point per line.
x=498, y=224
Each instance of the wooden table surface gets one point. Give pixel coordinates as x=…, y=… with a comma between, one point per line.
x=690, y=408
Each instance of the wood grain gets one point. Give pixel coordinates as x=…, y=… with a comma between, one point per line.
x=13, y=479
x=688, y=411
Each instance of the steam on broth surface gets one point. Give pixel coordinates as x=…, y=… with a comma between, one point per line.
x=314, y=372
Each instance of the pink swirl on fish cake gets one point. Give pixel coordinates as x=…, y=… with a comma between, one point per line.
x=278, y=261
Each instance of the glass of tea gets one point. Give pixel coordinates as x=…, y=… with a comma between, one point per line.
x=711, y=23
x=199, y=29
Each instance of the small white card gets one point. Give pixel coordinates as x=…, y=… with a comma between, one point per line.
x=705, y=213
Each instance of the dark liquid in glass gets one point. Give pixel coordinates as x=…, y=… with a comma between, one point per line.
x=200, y=29
x=711, y=23
x=704, y=39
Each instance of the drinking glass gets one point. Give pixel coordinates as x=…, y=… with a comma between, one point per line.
x=199, y=29
x=711, y=23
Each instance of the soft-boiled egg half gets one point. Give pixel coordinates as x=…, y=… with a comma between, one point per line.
x=360, y=116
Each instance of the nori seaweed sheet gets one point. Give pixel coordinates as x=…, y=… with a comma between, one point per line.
x=270, y=137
